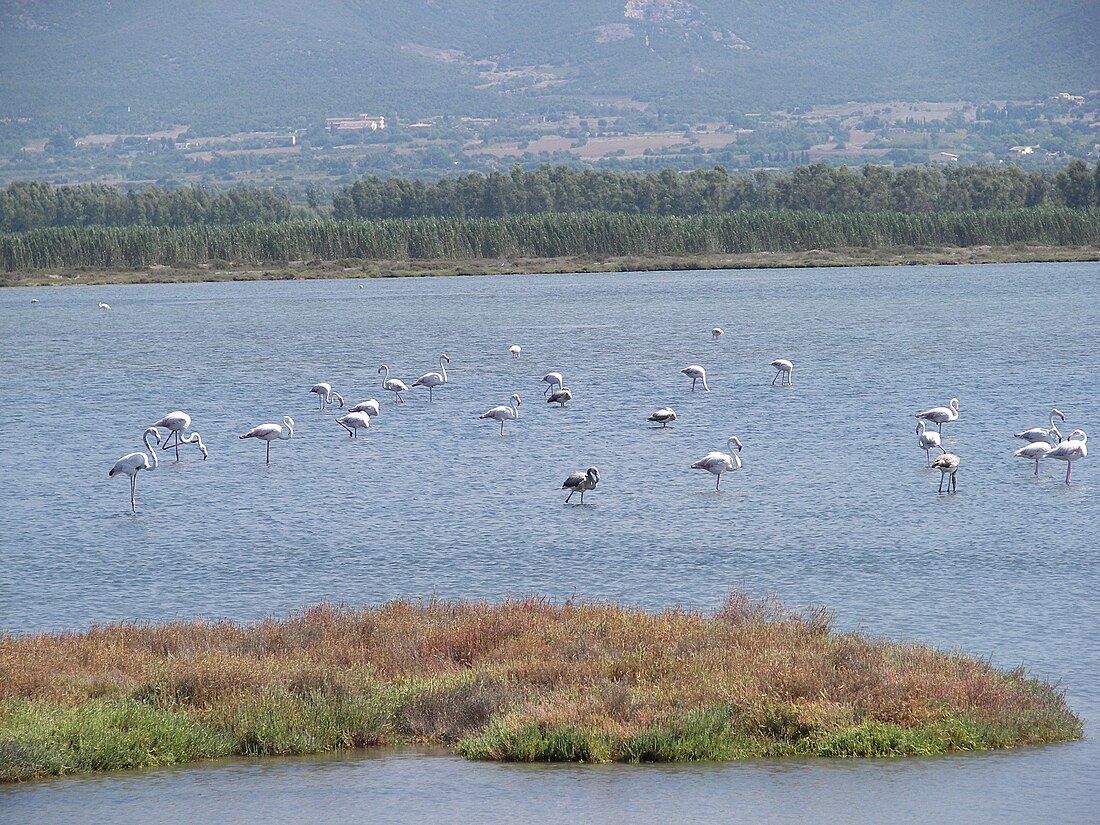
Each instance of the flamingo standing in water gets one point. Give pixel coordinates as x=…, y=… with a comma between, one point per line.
x=552, y=379
x=1072, y=449
x=505, y=412
x=664, y=416
x=784, y=368
x=515, y=349
x=560, y=396
x=131, y=463
x=434, y=379
x=394, y=385
x=941, y=415
x=104, y=306
x=325, y=395
x=581, y=481
x=948, y=465
x=370, y=407
x=1051, y=436
x=353, y=422
x=716, y=333
x=928, y=441
x=718, y=463
x=696, y=373
x=176, y=423
x=272, y=432
x=1036, y=451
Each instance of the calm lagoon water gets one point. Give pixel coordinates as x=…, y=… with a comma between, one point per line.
x=833, y=506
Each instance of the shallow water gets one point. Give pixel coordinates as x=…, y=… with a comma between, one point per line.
x=833, y=506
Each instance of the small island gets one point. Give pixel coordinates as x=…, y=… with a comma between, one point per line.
x=522, y=680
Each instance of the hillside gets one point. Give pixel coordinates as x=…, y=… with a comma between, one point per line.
x=254, y=61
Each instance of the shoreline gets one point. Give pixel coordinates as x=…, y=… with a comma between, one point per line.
x=362, y=269
x=518, y=681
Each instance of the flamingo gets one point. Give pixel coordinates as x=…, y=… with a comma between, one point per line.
x=131, y=463
x=104, y=306
x=325, y=395
x=34, y=300
x=581, y=481
x=394, y=385
x=719, y=463
x=948, y=465
x=941, y=415
x=176, y=423
x=663, y=416
x=783, y=367
x=1036, y=434
x=1035, y=450
x=272, y=432
x=505, y=412
x=928, y=441
x=370, y=407
x=515, y=349
x=353, y=422
x=696, y=373
x=552, y=379
x=434, y=379
x=1070, y=450
x=560, y=395
x=716, y=333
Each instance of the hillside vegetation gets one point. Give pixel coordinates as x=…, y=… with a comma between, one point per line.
x=215, y=64
x=522, y=680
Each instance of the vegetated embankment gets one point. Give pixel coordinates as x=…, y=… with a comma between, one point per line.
x=542, y=236
x=520, y=680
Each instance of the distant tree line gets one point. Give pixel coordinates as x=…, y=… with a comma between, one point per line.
x=37, y=205
x=562, y=189
x=816, y=187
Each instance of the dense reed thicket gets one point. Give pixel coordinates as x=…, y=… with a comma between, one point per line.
x=539, y=236
x=521, y=680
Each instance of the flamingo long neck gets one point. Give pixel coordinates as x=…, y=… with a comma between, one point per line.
x=152, y=450
x=704, y=377
x=921, y=427
x=1054, y=429
x=443, y=369
x=333, y=394
x=288, y=429
x=194, y=438
x=515, y=408
x=385, y=375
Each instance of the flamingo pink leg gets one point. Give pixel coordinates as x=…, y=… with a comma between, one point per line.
x=268, y=453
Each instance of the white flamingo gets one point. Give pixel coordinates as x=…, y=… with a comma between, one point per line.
x=325, y=395
x=784, y=368
x=560, y=396
x=1051, y=436
x=718, y=463
x=664, y=416
x=696, y=373
x=948, y=465
x=370, y=407
x=353, y=422
x=1036, y=451
x=131, y=463
x=941, y=415
x=505, y=412
x=177, y=423
x=394, y=385
x=272, y=432
x=716, y=333
x=515, y=349
x=1072, y=449
x=104, y=306
x=928, y=441
x=434, y=379
x=552, y=379
x=580, y=481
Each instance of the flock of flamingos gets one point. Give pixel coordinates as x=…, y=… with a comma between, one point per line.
x=1043, y=442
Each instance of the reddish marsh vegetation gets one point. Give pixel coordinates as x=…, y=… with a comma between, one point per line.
x=522, y=679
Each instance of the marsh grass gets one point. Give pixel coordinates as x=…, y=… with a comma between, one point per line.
x=519, y=680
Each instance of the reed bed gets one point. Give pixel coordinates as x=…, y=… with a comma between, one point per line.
x=519, y=680
x=557, y=235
